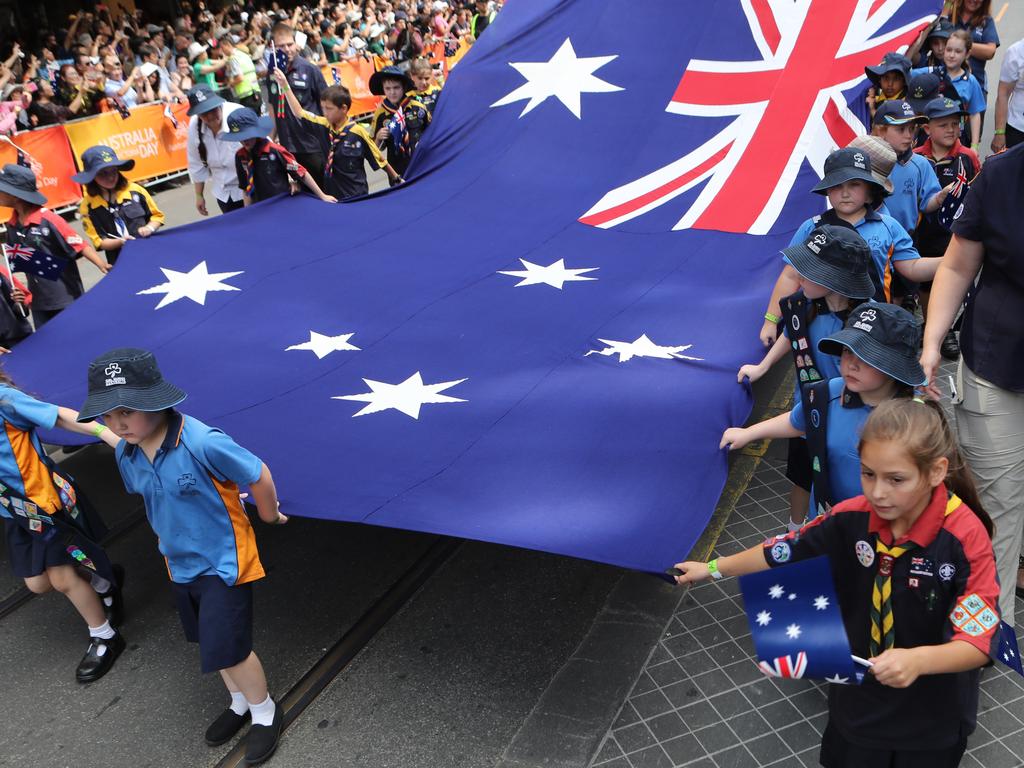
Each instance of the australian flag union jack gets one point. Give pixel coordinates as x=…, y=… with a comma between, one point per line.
x=32, y=261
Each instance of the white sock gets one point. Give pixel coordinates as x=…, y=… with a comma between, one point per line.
x=238, y=703
x=104, y=631
x=795, y=526
x=263, y=713
x=100, y=584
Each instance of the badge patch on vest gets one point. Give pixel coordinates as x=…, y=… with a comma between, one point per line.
x=780, y=552
x=865, y=553
x=974, y=616
x=947, y=571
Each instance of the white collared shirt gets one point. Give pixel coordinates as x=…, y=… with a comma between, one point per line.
x=1012, y=71
x=219, y=170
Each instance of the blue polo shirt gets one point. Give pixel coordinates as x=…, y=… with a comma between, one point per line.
x=967, y=87
x=888, y=240
x=21, y=463
x=914, y=183
x=846, y=416
x=191, y=495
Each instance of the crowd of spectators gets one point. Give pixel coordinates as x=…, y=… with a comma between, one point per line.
x=98, y=62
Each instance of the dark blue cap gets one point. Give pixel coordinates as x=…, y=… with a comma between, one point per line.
x=896, y=113
x=244, y=124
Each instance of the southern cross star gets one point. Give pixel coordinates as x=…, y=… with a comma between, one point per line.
x=776, y=591
x=322, y=345
x=565, y=76
x=194, y=284
x=793, y=631
x=642, y=347
x=408, y=396
x=821, y=602
x=764, y=618
x=554, y=274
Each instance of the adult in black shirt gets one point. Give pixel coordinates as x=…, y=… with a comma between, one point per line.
x=987, y=235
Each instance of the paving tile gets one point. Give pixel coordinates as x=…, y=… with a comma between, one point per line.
x=652, y=757
x=779, y=714
x=1015, y=743
x=999, y=722
x=736, y=626
x=634, y=737
x=789, y=762
x=716, y=737
x=643, y=684
x=969, y=761
x=818, y=723
x=681, y=644
x=684, y=749
x=710, y=634
x=666, y=673
x=1002, y=689
x=698, y=716
x=715, y=681
x=609, y=750
x=698, y=662
x=682, y=693
x=800, y=736
x=667, y=726
x=749, y=725
x=762, y=692
x=737, y=757
x=768, y=749
x=651, y=704
x=627, y=716
x=729, y=652
x=810, y=703
x=743, y=672
x=809, y=758
x=995, y=755
x=730, y=703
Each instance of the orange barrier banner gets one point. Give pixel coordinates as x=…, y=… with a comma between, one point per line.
x=354, y=75
x=146, y=136
x=49, y=154
x=464, y=45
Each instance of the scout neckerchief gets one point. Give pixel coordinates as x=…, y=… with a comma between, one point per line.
x=336, y=137
x=883, y=625
x=73, y=522
x=813, y=394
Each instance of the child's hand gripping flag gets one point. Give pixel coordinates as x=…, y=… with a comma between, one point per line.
x=796, y=624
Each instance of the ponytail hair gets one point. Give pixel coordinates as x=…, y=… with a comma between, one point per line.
x=921, y=427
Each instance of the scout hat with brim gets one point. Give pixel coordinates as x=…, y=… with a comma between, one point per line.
x=202, y=99
x=127, y=378
x=896, y=113
x=941, y=27
x=19, y=181
x=389, y=73
x=922, y=89
x=891, y=62
x=244, y=124
x=835, y=257
x=95, y=159
x=845, y=165
x=884, y=336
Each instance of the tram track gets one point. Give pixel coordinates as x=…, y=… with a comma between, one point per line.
x=320, y=675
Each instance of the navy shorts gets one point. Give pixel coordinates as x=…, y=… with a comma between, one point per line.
x=219, y=618
x=31, y=553
x=838, y=752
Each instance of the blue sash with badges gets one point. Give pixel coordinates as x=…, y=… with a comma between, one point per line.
x=813, y=389
x=75, y=522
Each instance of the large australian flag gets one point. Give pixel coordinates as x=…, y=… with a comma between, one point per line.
x=534, y=341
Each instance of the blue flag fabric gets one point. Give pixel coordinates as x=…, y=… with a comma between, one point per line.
x=796, y=623
x=535, y=340
x=32, y=261
x=1009, y=648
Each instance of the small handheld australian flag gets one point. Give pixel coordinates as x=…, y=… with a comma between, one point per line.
x=1009, y=650
x=34, y=262
x=795, y=620
x=954, y=201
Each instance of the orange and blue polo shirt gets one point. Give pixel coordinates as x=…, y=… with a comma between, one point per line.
x=21, y=464
x=191, y=494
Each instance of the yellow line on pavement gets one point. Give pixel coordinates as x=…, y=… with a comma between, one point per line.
x=999, y=16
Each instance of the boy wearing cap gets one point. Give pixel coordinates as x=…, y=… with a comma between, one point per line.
x=350, y=143
x=854, y=192
x=189, y=475
x=33, y=226
x=264, y=167
x=888, y=80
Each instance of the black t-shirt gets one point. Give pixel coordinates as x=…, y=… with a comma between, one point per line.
x=992, y=337
x=307, y=83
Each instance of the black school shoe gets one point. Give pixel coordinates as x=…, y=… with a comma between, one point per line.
x=262, y=739
x=225, y=727
x=950, y=348
x=99, y=658
x=115, y=610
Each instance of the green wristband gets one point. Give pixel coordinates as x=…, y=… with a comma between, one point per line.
x=999, y=132
x=98, y=430
x=772, y=318
x=713, y=569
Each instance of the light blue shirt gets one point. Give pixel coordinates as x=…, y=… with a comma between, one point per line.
x=914, y=183
x=21, y=414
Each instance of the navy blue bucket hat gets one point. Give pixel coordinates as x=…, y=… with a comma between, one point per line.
x=95, y=159
x=837, y=258
x=19, y=181
x=245, y=124
x=202, y=99
x=884, y=336
x=845, y=165
x=127, y=378
x=389, y=73
x=891, y=62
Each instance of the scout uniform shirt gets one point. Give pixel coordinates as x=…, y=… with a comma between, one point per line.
x=191, y=495
x=267, y=171
x=21, y=466
x=49, y=233
x=914, y=184
x=888, y=240
x=428, y=97
x=350, y=145
x=308, y=84
x=131, y=208
x=943, y=589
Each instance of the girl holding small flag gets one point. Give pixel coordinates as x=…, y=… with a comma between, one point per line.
x=916, y=581
x=832, y=265
x=114, y=210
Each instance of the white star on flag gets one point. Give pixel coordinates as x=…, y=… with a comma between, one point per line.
x=776, y=591
x=194, y=284
x=322, y=345
x=838, y=680
x=565, y=76
x=554, y=274
x=792, y=595
x=793, y=631
x=407, y=397
x=642, y=347
x=821, y=602
x=764, y=618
